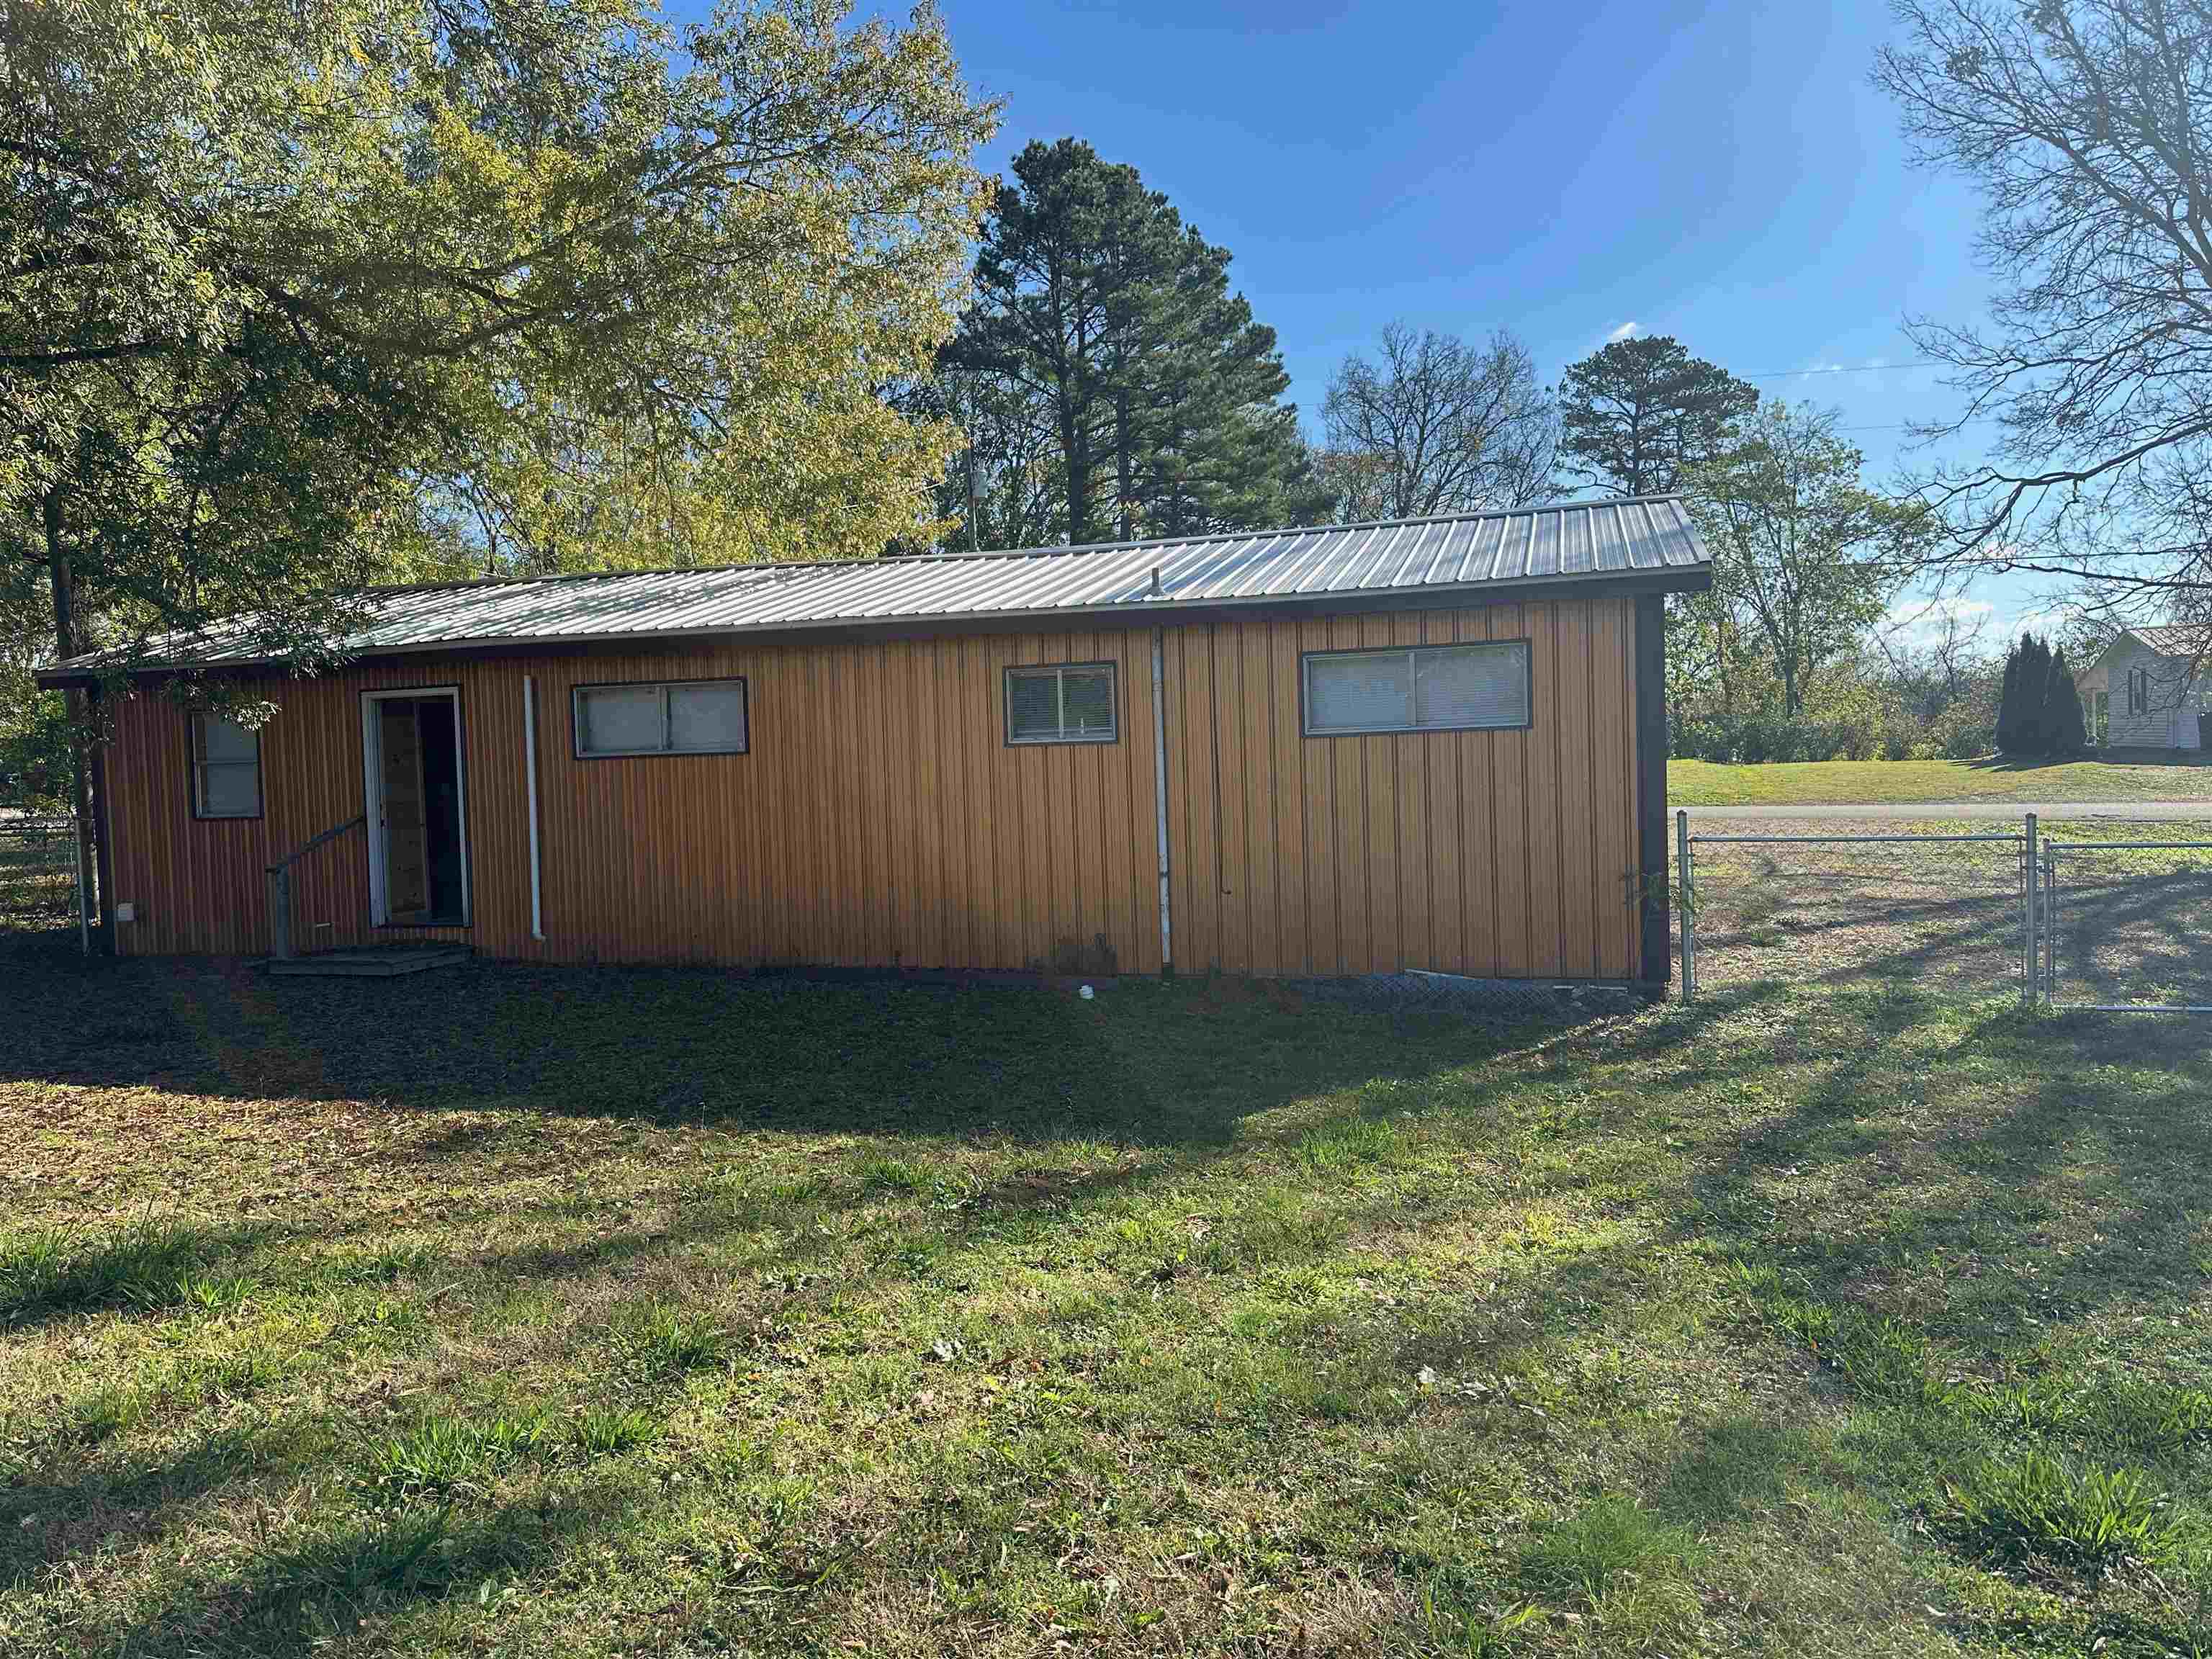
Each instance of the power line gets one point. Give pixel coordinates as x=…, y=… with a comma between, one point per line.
x=1841, y=368
x=1899, y=426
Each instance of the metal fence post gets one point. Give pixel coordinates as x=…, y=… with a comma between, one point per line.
x=2028, y=921
x=1687, y=907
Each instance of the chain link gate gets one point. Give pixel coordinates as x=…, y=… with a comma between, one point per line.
x=1809, y=907
x=2128, y=922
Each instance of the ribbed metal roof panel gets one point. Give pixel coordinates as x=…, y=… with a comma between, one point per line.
x=2172, y=642
x=1573, y=542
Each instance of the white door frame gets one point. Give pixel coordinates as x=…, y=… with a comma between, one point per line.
x=371, y=766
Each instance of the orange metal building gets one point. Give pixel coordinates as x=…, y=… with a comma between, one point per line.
x=1343, y=751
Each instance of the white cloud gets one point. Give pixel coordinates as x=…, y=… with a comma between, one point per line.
x=1630, y=326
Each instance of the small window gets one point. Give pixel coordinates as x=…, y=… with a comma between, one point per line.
x=685, y=717
x=1068, y=703
x=2139, y=690
x=226, y=768
x=1426, y=688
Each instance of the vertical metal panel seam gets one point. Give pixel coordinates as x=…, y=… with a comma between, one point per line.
x=1160, y=796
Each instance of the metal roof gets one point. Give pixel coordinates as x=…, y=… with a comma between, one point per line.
x=1482, y=555
x=2172, y=642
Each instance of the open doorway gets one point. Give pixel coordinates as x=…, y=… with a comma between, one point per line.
x=418, y=851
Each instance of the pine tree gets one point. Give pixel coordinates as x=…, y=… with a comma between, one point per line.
x=1161, y=394
x=1638, y=413
x=2008, y=702
x=2037, y=735
x=2070, y=730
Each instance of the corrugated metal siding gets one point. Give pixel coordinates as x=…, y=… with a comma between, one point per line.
x=1496, y=853
x=1587, y=541
x=881, y=819
x=877, y=819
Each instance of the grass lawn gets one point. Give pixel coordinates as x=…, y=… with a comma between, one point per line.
x=533, y=1312
x=1703, y=783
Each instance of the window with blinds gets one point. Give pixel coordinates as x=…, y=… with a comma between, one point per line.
x=1422, y=687
x=683, y=717
x=226, y=768
x=1067, y=703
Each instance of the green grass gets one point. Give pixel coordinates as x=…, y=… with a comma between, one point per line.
x=600, y=1313
x=1795, y=783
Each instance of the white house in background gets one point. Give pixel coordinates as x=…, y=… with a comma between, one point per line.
x=2148, y=689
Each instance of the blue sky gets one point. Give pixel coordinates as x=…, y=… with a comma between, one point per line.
x=1720, y=172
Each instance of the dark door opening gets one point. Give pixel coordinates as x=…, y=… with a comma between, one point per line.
x=419, y=799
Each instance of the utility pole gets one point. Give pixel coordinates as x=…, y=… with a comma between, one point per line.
x=973, y=534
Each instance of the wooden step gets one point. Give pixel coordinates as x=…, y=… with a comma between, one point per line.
x=384, y=962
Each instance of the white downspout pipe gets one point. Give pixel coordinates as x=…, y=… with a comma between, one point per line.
x=530, y=775
x=1160, y=794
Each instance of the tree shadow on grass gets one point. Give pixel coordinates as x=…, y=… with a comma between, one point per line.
x=111, y=1503
x=151, y=1266
x=2082, y=1110
x=673, y=1046
x=2030, y=764
x=298, y=1598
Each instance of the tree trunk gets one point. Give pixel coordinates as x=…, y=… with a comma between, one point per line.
x=64, y=577
x=1074, y=456
x=1125, y=467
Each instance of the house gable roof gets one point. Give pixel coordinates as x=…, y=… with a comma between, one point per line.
x=2185, y=644
x=1645, y=542
x=2172, y=642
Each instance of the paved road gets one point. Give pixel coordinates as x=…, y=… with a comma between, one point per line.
x=2013, y=811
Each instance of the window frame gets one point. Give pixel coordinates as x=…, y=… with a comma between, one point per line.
x=1307, y=658
x=1059, y=671
x=195, y=765
x=576, y=719
x=2138, y=690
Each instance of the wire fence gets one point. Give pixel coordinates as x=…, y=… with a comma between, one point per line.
x=37, y=873
x=2127, y=922
x=1945, y=908
x=2113, y=916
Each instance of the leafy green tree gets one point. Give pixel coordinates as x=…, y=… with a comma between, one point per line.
x=1804, y=554
x=1637, y=414
x=297, y=298
x=1097, y=305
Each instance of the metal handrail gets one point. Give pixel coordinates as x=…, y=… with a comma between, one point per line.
x=280, y=886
